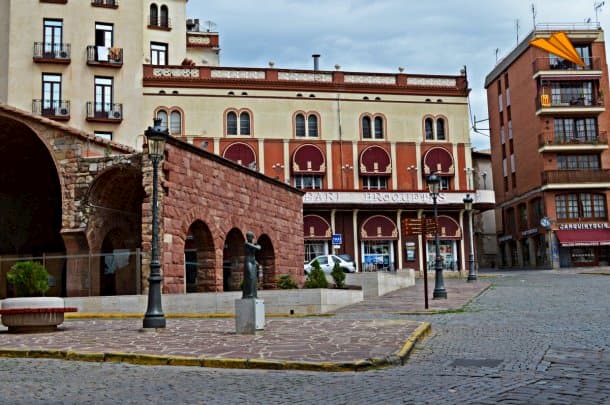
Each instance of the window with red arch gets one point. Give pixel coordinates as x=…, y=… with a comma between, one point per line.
x=372, y=126
x=171, y=119
x=435, y=128
x=238, y=122
x=306, y=125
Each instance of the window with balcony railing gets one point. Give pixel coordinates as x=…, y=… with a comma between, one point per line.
x=567, y=93
x=575, y=162
x=578, y=129
x=584, y=51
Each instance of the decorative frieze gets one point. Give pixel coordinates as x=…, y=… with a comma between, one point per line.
x=238, y=74
x=370, y=79
x=305, y=77
x=430, y=82
x=198, y=40
x=176, y=72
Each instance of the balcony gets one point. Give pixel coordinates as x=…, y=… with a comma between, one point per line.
x=105, y=3
x=45, y=52
x=104, y=112
x=103, y=56
x=568, y=103
x=575, y=179
x=560, y=67
x=55, y=1
x=58, y=110
x=551, y=142
x=160, y=23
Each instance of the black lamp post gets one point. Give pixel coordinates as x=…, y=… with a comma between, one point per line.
x=472, y=276
x=154, y=317
x=434, y=185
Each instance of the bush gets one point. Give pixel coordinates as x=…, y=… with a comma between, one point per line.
x=338, y=276
x=316, y=277
x=29, y=279
x=285, y=282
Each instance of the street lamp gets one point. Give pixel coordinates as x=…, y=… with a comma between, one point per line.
x=468, y=207
x=434, y=185
x=154, y=317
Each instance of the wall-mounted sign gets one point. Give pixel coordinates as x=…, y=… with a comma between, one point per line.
x=528, y=232
x=505, y=238
x=580, y=225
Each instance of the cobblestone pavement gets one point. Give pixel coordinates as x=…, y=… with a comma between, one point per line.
x=533, y=337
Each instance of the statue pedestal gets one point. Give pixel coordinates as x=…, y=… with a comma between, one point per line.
x=249, y=315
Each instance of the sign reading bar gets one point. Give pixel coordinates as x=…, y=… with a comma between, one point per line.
x=578, y=226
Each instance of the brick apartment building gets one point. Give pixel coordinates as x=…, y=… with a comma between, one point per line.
x=549, y=142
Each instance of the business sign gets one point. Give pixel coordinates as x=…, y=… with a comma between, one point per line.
x=337, y=239
x=579, y=226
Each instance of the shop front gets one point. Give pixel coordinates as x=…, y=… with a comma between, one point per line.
x=450, y=234
x=317, y=235
x=583, y=245
x=378, y=236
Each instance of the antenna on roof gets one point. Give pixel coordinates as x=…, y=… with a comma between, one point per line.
x=210, y=26
x=517, y=26
x=597, y=5
x=534, y=14
x=497, y=50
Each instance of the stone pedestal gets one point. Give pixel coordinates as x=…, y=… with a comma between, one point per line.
x=249, y=315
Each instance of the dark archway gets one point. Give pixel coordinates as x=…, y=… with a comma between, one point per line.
x=30, y=202
x=199, y=259
x=266, y=259
x=233, y=260
x=115, y=228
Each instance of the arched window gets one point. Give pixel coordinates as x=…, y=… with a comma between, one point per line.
x=440, y=129
x=162, y=114
x=378, y=128
x=299, y=125
x=244, y=123
x=312, y=125
x=429, y=129
x=164, y=22
x=175, y=122
x=366, y=127
x=154, y=14
x=231, y=123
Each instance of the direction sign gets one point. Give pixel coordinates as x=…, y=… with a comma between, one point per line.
x=337, y=239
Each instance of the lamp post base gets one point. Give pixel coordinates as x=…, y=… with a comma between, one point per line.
x=439, y=294
x=472, y=277
x=156, y=322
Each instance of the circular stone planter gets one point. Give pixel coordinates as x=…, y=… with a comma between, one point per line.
x=33, y=314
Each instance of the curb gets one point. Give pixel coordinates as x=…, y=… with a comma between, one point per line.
x=444, y=311
x=85, y=315
x=399, y=358
x=596, y=273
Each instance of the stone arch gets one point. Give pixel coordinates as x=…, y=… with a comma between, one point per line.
x=199, y=259
x=31, y=197
x=266, y=259
x=233, y=260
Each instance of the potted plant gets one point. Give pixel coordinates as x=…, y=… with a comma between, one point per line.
x=31, y=311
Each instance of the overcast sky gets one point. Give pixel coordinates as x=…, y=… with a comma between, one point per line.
x=423, y=36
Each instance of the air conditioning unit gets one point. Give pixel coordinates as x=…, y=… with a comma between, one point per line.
x=63, y=55
x=62, y=111
x=115, y=114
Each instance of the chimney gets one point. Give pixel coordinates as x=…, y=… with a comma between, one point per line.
x=316, y=61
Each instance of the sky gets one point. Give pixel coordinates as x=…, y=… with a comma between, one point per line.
x=424, y=36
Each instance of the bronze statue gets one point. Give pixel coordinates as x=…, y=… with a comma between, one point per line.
x=250, y=271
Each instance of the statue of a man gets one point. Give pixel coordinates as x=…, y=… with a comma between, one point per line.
x=250, y=273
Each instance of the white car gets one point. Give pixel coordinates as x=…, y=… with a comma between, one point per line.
x=327, y=262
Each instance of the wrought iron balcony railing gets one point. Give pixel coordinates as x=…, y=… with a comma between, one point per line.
x=553, y=139
x=105, y=3
x=580, y=176
x=112, y=112
x=51, y=52
x=55, y=109
x=591, y=63
x=101, y=55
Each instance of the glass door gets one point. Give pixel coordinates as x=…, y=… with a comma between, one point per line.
x=52, y=40
x=103, y=96
x=51, y=93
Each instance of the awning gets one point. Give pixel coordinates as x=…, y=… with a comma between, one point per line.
x=570, y=77
x=584, y=237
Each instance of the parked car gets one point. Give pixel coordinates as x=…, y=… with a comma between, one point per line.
x=327, y=262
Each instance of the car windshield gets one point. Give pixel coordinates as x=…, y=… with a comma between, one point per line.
x=346, y=257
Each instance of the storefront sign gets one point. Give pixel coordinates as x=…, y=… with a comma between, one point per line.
x=505, y=238
x=529, y=232
x=381, y=197
x=583, y=226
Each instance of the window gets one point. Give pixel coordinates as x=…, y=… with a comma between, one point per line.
x=575, y=129
x=435, y=129
x=52, y=38
x=175, y=123
x=429, y=129
x=571, y=93
x=238, y=123
x=510, y=220
x=574, y=162
x=537, y=210
x=374, y=182
x=307, y=181
x=104, y=35
x=104, y=134
x=523, y=216
x=299, y=125
x=366, y=127
x=103, y=95
x=580, y=205
x=154, y=14
x=164, y=22
x=244, y=123
x=158, y=53
x=378, y=128
x=51, y=93
x=584, y=51
x=306, y=124
x=445, y=182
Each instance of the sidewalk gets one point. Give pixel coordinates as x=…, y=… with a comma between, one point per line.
x=322, y=343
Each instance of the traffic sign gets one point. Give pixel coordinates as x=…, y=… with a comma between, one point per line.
x=337, y=239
